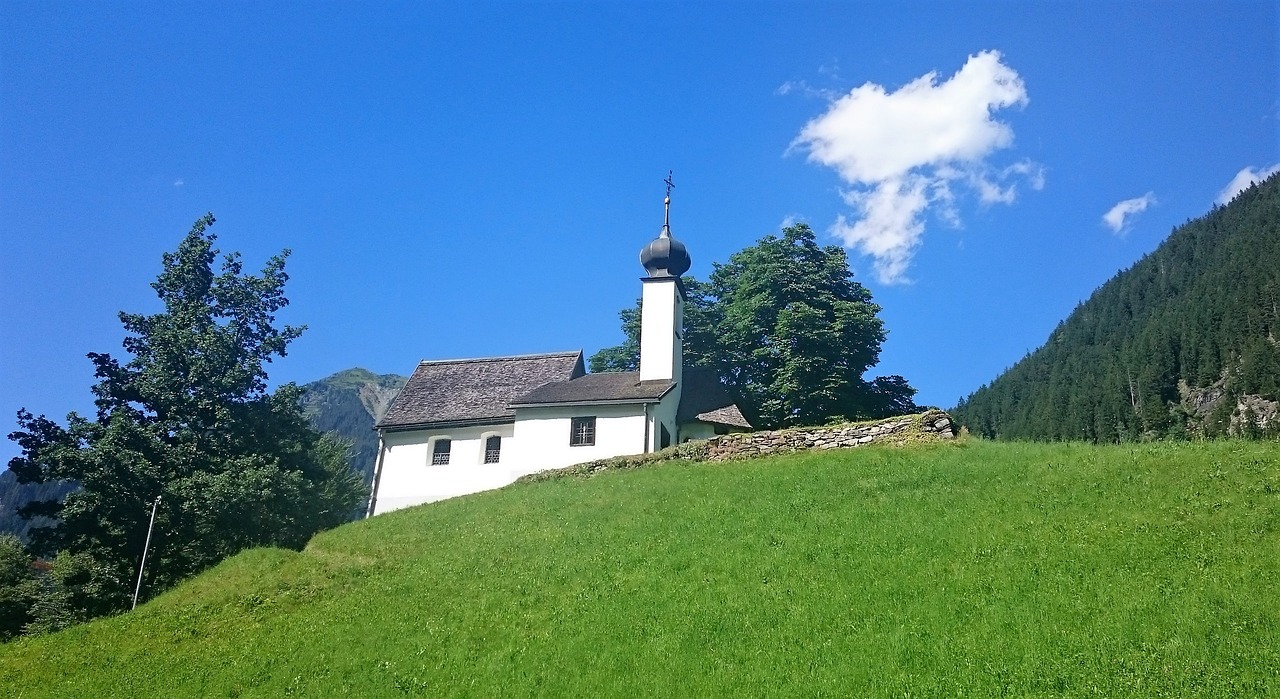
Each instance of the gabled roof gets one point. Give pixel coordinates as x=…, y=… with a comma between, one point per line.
x=705, y=399
x=702, y=398
x=605, y=387
x=475, y=391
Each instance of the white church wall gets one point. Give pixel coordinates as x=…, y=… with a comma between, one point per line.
x=409, y=478
x=539, y=440
x=542, y=434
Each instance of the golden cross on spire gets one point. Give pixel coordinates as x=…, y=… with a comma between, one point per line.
x=666, y=203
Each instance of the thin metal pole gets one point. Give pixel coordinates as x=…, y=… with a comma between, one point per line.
x=145, y=546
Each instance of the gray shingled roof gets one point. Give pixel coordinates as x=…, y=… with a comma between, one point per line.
x=605, y=387
x=474, y=391
x=703, y=397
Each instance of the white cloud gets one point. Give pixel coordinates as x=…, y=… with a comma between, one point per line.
x=1117, y=219
x=1242, y=180
x=905, y=153
x=790, y=220
x=889, y=228
x=805, y=89
x=178, y=182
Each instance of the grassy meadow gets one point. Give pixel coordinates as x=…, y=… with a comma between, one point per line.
x=962, y=570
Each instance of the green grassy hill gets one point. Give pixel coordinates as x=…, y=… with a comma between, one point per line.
x=973, y=569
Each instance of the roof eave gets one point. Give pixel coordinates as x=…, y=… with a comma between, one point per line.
x=446, y=424
x=576, y=403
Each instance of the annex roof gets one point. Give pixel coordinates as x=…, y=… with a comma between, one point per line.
x=475, y=391
x=604, y=387
x=705, y=399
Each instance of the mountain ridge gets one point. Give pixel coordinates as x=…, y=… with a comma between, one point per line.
x=1181, y=344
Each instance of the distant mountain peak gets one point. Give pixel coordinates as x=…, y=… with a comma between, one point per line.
x=348, y=404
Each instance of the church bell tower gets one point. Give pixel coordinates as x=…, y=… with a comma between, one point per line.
x=662, y=303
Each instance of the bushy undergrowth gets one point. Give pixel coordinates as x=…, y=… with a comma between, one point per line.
x=979, y=569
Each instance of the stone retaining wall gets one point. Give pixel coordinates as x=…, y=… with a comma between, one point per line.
x=933, y=425
x=748, y=445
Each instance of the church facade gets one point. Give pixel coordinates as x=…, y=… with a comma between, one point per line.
x=469, y=425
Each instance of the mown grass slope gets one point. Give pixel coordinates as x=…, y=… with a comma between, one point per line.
x=977, y=569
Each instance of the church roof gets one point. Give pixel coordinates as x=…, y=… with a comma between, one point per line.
x=704, y=398
x=475, y=391
x=605, y=387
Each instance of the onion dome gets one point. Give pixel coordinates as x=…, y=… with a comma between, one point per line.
x=665, y=256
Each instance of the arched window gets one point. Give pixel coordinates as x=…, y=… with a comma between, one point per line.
x=492, y=449
x=440, y=452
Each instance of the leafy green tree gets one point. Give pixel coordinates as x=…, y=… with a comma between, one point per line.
x=186, y=418
x=19, y=587
x=626, y=356
x=701, y=314
x=788, y=330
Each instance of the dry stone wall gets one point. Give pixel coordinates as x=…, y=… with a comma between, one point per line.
x=935, y=423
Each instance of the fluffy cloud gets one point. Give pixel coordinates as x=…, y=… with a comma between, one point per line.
x=1117, y=219
x=1243, y=179
x=911, y=151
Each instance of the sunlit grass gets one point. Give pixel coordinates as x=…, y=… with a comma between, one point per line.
x=975, y=570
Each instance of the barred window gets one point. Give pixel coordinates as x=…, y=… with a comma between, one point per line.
x=440, y=452
x=492, y=449
x=582, y=431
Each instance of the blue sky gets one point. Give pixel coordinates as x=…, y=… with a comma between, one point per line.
x=471, y=179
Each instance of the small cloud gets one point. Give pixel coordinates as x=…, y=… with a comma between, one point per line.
x=178, y=182
x=1117, y=219
x=1243, y=180
x=914, y=150
x=790, y=220
x=804, y=88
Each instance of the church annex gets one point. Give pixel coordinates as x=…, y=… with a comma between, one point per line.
x=467, y=425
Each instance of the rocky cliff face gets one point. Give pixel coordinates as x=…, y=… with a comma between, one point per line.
x=1213, y=409
x=348, y=404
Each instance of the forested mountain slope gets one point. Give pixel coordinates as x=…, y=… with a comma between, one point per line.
x=1185, y=342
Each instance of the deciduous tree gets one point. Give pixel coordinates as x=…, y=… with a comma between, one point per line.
x=789, y=331
x=187, y=417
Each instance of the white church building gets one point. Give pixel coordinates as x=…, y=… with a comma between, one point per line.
x=467, y=425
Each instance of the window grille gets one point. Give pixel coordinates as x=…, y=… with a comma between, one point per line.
x=492, y=449
x=582, y=431
x=440, y=452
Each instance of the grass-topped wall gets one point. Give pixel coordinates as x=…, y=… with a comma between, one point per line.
x=930, y=426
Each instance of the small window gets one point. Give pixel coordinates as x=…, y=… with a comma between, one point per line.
x=440, y=452
x=582, y=431
x=492, y=449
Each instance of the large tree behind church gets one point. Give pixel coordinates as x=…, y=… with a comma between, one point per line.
x=186, y=417
x=788, y=330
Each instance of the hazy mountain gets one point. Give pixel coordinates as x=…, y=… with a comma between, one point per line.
x=14, y=495
x=349, y=403
x=1186, y=342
